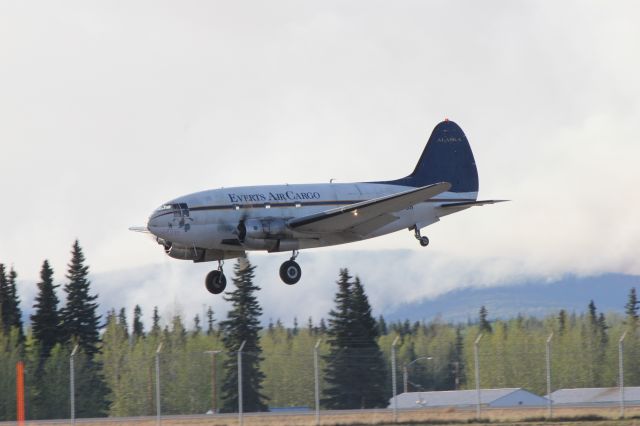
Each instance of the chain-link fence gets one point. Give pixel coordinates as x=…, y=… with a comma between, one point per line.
x=163, y=377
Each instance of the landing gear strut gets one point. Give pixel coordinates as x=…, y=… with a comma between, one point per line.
x=424, y=241
x=216, y=281
x=290, y=271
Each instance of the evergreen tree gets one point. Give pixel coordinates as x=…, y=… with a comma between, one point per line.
x=122, y=321
x=295, y=330
x=81, y=326
x=210, y=321
x=3, y=298
x=138, y=327
x=485, y=325
x=457, y=360
x=562, y=321
x=196, y=325
x=382, y=326
x=79, y=317
x=631, y=308
x=11, y=315
x=310, y=327
x=155, y=325
x=339, y=391
x=593, y=315
x=45, y=321
x=323, y=326
x=370, y=372
x=243, y=325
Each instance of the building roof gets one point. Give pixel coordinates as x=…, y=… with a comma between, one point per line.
x=594, y=395
x=456, y=398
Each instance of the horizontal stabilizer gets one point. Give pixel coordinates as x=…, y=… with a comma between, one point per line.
x=456, y=207
x=352, y=215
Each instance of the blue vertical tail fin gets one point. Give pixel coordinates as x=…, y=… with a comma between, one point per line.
x=446, y=158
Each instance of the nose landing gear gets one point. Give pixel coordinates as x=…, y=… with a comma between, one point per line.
x=290, y=271
x=216, y=282
x=424, y=241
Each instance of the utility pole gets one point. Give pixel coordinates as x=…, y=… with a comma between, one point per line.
x=393, y=378
x=240, y=419
x=477, y=365
x=316, y=377
x=621, y=372
x=214, y=396
x=72, y=384
x=548, y=359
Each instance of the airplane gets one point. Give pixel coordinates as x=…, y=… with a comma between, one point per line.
x=225, y=223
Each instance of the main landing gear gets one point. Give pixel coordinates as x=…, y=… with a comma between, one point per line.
x=424, y=241
x=216, y=281
x=290, y=271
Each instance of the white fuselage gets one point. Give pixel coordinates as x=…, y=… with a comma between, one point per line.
x=209, y=219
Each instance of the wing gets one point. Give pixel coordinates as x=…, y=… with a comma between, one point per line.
x=375, y=212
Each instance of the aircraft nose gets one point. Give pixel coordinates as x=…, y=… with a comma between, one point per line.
x=153, y=223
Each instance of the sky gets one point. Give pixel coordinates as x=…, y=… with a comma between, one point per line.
x=109, y=109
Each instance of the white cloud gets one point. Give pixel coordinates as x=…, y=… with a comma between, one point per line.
x=109, y=110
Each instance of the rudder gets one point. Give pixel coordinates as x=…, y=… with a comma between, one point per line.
x=446, y=158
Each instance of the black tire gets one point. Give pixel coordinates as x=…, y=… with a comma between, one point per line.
x=215, y=282
x=290, y=272
x=424, y=241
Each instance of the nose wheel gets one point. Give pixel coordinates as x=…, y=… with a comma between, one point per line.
x=216, y=282
x=424, y=241
x=290, y=271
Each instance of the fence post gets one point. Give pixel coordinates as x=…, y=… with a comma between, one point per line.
x=72, y=385
x=548, y=352
x=158, y=410
x=240, y=382
x=316, y=378
x=621, y=372
x=20, y=392
x=393, y=378
x=477, y=366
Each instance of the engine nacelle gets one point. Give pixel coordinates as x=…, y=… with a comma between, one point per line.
x=184, y=253
x=259, y=229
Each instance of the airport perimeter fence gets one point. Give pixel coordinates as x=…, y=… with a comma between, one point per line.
x=166, y=382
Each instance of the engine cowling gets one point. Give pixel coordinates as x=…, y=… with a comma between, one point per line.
x=181, y=252
x=259, y=229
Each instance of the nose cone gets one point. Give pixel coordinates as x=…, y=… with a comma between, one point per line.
x=157, y=220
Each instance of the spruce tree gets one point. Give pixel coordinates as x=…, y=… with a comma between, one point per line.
x=339, y=362
x=45, y=321
x=370, y=371
x=210, y=321
x=11, y=315
x=243, y=325
x=197, y=328
x=122, y=321
x=3, y=297
x=155, y=325
x=631, y=308
x=562, y=321
x=138, y=326
x=485, y=325
x=382, y=326
x=81, y=326
x=79, y=316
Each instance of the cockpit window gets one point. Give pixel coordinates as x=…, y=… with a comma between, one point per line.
x=178, y=209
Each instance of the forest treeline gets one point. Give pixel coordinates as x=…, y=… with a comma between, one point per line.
x=115, y=361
